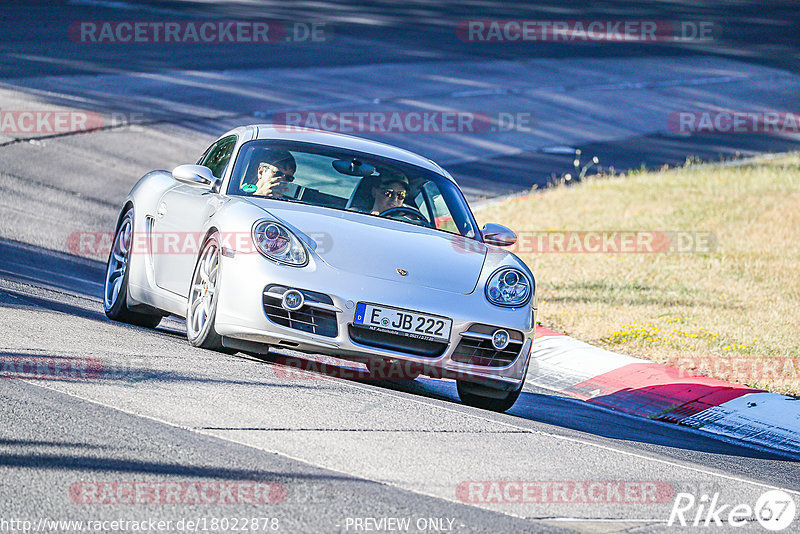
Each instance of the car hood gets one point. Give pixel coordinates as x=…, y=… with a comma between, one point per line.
x=378, y=247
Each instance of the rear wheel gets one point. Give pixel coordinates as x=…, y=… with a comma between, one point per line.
x=115, y=289
x=485, y=397
x=203, y=296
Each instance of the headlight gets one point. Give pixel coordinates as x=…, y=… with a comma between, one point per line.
x=277, y=243
x=509, y=287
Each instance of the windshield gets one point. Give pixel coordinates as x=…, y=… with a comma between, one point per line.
x=346, y=180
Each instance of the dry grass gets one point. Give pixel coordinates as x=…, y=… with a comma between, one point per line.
x=733, y=313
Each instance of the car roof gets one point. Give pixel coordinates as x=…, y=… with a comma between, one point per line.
x=339, y=140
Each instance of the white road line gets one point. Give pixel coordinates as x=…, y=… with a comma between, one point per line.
x=273, y=451
x=428, y=404
x=606, y=447
x=10, y=275
x=384, y=483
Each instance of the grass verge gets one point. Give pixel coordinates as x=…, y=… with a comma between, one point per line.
x=729, y=309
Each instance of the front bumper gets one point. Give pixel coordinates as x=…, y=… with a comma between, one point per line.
x=241, y=316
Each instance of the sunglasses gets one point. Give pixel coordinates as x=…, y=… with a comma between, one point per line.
x=277, y=173
x=399, y=195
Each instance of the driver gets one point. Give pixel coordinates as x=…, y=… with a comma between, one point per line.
x=275, y=172
x=389, y=193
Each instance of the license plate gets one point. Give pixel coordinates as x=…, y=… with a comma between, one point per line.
x=403, y=322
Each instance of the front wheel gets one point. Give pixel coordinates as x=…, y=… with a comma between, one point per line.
x=203, y=296
x=486, y=398
x=115, y=289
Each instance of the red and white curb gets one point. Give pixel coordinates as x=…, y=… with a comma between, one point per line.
x=664, y=393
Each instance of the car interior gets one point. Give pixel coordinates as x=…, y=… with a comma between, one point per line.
x=345, y=181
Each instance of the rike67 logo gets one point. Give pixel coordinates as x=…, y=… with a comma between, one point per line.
x=774, y=510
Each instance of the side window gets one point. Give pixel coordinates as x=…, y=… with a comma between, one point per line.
x=441, y=214
x=419, y=203
x=219, y=155
x=201, y=158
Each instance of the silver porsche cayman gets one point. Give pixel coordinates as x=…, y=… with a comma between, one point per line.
x=326, y=243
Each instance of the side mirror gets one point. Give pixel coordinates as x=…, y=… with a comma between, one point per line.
x=496, y=234
x=196, y=175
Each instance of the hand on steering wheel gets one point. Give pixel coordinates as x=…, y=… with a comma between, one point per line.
x=407, y=212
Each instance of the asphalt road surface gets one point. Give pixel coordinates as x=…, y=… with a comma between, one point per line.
x=94, y=411
x=133, y=405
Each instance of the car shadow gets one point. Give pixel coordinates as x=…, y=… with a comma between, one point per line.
x=541, y=406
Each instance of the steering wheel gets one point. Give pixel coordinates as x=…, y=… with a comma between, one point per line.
x=407, y=212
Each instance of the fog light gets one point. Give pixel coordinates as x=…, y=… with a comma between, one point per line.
x=292, y=300
x=500, y=339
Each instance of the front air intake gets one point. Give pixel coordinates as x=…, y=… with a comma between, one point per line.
x=476, y=348
x=316, y=316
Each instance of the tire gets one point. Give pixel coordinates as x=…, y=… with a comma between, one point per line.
x=115, y=288
x=201, y=306
x=486, y=398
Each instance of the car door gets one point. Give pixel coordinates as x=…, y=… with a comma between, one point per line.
x=182, y=213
